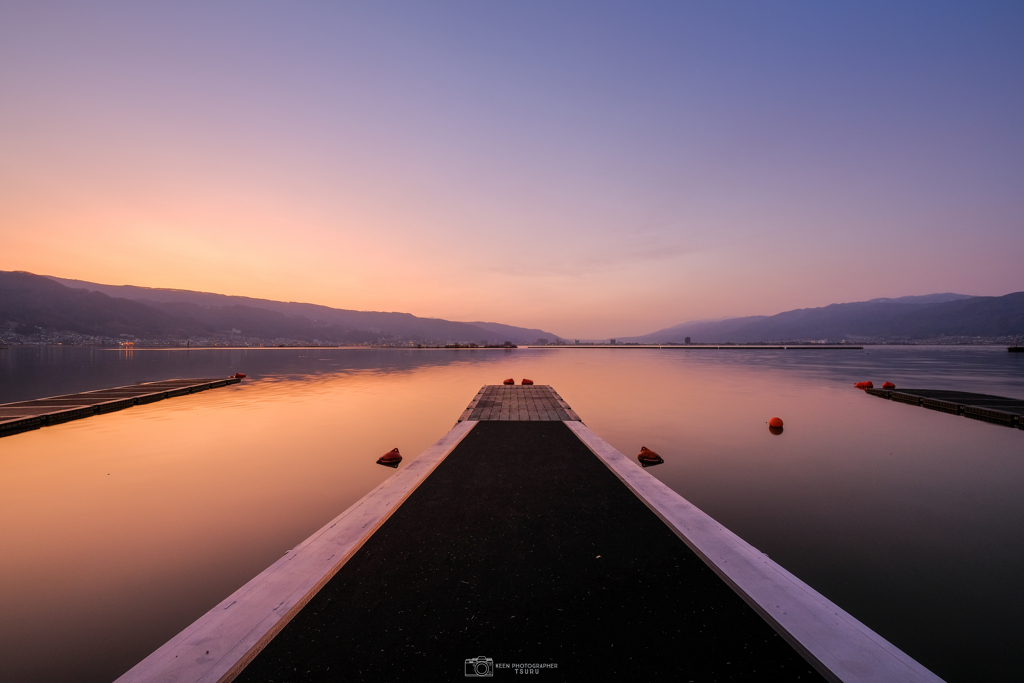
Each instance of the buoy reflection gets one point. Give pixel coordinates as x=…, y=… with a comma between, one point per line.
x=775, y=430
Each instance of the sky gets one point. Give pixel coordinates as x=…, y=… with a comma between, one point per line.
x=593, y=169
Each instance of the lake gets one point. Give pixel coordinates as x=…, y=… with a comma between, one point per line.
x=119, y=530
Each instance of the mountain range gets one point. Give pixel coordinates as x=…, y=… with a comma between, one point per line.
x=31, y=304
x=40, y=307
x=934, y=317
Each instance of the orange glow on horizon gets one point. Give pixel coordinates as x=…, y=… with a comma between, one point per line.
x=274, y=159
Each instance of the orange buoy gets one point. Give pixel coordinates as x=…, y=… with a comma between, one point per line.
x=775, y=422
x=509, y=381
x=239, y=375
x=527, y=381
x=390, y=459
x=864, y=385
x=888, y=385
x=648, y=457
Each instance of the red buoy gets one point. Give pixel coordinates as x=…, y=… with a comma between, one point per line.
x=390, y=459
x=527, y=381
x=775, y=422
x=239, y=375
x=509, y=381
x=888, y=385
x=864, y=385
x=648, y=457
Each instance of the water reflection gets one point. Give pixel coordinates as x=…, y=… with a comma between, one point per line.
x=119, y=530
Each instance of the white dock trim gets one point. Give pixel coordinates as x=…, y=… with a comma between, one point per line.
x=839, y=646
x=218, y=645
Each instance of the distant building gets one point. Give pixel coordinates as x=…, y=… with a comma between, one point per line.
x=612, y=342
x=687, y=340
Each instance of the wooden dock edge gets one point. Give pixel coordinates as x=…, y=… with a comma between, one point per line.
x=839, y=646
x=472, y=404
x=218, y=645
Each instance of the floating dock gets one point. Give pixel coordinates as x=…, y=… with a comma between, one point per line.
x=996, y=409
x=525, y=545
x=26, y=415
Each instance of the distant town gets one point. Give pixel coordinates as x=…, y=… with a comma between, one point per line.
x=12, y=334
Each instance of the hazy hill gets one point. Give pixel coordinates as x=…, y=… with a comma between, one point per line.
x=31, y=302
x=934, y=316
x=528, y=336
x=923, y=299
x=173, y=313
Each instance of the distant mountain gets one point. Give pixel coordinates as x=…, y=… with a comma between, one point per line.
x=924, y=299
x=931, y=317
x=698, y=331
x=33, y=305
x=33, y=302
x=529, y=336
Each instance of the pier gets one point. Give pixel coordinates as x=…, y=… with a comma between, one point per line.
x=1008, y=412
x=27, y=415
x=522, y=542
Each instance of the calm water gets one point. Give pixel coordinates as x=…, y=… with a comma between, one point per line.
x=119, y=530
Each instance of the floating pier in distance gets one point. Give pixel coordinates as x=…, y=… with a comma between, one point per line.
x=525, y=545
x=996, y=409
x=26, y=415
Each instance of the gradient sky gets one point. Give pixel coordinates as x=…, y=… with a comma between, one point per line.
x=594, y=169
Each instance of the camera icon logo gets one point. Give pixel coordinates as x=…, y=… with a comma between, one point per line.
x=480, y=667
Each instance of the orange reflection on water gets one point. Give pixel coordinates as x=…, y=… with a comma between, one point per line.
x=136, y=522
x=119, y=530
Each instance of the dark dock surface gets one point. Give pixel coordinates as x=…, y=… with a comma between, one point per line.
x=996, y=409
x=26, y=415
x=525, y=545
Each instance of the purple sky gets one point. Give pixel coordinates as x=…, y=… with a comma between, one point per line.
x=594, y=169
